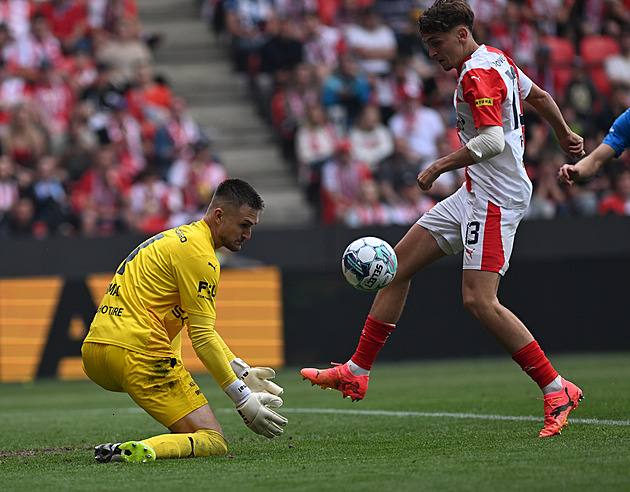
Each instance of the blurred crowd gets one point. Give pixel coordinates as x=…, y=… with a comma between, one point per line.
x=94, y=142
x=359, y=109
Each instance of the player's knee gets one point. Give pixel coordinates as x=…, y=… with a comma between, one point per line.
x=474, y=304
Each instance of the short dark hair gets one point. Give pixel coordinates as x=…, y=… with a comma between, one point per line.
x=238, y=193
x=445, y=15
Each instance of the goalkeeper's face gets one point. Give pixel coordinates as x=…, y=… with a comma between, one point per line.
x=235, y=226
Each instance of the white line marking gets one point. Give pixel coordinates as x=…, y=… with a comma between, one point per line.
x=385, y=413
x=447, y=415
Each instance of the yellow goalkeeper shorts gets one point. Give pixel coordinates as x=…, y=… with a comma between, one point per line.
x=161, y=386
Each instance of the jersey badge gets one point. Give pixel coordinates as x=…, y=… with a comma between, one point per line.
x=484, y=101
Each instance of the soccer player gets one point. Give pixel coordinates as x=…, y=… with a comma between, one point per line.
x=614, y=144
x=167, y=283
x=481, y=217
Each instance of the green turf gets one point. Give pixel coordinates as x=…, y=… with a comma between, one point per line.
x=49, y=429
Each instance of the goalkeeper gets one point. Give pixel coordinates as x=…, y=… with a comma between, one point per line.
x=166, y=284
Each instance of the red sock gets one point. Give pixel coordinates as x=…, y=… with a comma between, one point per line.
x=533, y=361
x=372, y=339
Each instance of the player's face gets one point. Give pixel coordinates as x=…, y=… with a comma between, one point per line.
x=236, y=226
x=445, y=48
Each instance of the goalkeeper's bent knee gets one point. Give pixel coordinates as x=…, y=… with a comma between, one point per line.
x=204, y=442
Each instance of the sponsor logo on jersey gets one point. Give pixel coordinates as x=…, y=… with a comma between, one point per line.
x=111, y=310
x=113, y=289
x=206, y=291
x=484, y=101
x=182, y=237
x=180, y=314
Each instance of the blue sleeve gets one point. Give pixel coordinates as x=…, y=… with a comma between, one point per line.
x=619, y=134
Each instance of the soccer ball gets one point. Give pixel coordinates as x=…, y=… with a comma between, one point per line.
x=369, y=263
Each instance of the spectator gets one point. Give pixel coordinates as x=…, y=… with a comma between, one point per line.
x=196, y=177
x=617, y=66
x=245, y=21
x=35, y=49
x=99, y=94
x=373, y=44
x=98, y=197
x=413, y=203
x=371, y=140
x=294, y=10
x=120, y=129
x=22, y=220
x=25, y=141
x=345, y=92
x=315, y=143
x=395, y=13
x=80, y=69
x=288, y=106
x=548, y=199
x=13, y=90
x=123, y=52
x=9, y=192
x=77, y=148
x=280, y=54
x=68, y=22
x=16, y=14
x=54, y=99
x=341, y=179
x=582, y=96
x=617, y=202
x=150, y=99
x=174, y=138
x=150, y=204
x=515, y=35
x=322, y=44
x=52, y=204
x=403, y=80
x=114, y=10
x=423, y=129
x=8, y=48
x=392, y=173
x=369, y=209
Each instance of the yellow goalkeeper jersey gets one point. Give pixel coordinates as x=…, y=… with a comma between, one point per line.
x=166, y=278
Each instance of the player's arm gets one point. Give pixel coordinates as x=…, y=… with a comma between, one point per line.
x=546, y=107
x=489, y=143
x=587, y=167
x=252, y=406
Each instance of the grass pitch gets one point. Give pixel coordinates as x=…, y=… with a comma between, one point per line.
x=438, y=425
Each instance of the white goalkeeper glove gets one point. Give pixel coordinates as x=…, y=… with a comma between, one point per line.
x=256, y=378
x=259, y=417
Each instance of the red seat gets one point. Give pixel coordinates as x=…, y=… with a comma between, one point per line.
x=562, y=57
x=594, y=50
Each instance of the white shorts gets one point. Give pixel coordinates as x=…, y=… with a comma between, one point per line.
x=482, y=229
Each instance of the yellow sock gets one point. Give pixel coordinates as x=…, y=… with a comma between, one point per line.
x=204, y=442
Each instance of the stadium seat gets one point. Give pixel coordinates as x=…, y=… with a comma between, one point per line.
x=594, y=50
x=562, y=56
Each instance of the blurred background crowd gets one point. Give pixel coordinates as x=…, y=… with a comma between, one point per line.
x=94, y=142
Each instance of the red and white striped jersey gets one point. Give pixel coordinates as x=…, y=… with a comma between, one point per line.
x=490, y=90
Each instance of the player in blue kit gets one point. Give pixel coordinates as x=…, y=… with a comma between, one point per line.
x=613, y=145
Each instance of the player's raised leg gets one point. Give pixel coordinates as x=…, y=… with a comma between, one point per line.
x=416, y=250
